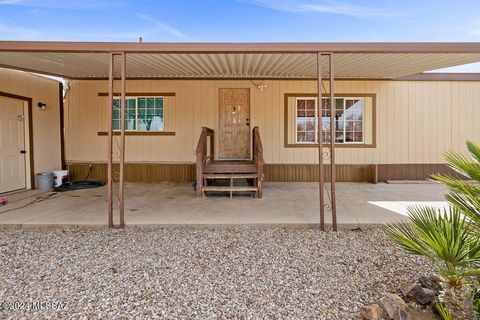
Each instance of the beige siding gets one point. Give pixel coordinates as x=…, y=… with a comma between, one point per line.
x=46, y=124
x=415, y=121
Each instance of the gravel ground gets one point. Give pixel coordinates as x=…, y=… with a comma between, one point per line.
x=190, y=272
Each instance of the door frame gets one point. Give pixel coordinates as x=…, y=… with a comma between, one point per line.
x=28, y=134
x=217, y=116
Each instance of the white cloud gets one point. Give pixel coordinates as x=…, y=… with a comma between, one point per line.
x=17, y=32
x=155, y=30
x=317, y=6
x=162, y=27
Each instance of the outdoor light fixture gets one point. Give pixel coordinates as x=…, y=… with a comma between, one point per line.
x=41, y=106
x=261, y=86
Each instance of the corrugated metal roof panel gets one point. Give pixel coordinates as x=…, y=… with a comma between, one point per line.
x=234, y=65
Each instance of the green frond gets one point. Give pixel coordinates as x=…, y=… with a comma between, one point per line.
x=441, y=235
x=468, y=204
x=442, y=311
x=463, y=164
x=471, y=273
x=474, y=150
x=406, y=236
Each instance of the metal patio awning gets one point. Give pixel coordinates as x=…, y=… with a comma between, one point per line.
x=232, y=61
x=235, y=60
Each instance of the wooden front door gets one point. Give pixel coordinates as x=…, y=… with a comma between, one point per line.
x=234, y=124
x=12, y=145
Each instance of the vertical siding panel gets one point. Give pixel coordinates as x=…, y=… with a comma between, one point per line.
x=469, y=112
x=383, y=135
x=411, y=122
x=46, y=125
x=369, y=152
x=391, y=127
x=440, y=126
x=449, y=114
x=419, y=124
x=403, y=120
x=376, y=151
x=416, y=122
x=279, y=125
x=276, y=103
x=476, y=111
x=433, y=113
x=456, y=109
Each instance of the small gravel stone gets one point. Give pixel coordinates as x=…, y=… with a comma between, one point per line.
x=200, y=273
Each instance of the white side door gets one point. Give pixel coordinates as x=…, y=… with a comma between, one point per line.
x=12, y=145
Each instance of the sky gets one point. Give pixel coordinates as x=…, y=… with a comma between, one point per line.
x=243, y=20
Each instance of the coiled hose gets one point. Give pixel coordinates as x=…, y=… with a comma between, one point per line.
x=82, y=184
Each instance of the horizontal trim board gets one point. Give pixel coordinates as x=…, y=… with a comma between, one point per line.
x=140, y=94
x=139, y=133
x=245, y=47
x=235, y=78
x=416, y=77
x=440, y=77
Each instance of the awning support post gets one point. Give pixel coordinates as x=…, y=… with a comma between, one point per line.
x=321, y=173
x=320, y=141
x=122, y=141
x=110, y=142
x=121, y=175
x=333, y=172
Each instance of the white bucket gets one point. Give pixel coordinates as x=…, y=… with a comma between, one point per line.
x=59, y=177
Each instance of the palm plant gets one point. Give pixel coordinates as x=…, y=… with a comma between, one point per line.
x=464, y=195
x=450, y=238
x=444, y=237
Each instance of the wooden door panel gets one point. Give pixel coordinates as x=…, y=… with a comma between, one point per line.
x=234, y=123
x=12, y=141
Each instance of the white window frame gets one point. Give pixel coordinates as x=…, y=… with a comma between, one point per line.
x=296, y=119
x=316, y=119
x=136, y=112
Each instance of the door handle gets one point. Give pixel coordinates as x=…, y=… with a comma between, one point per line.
x=23, y=151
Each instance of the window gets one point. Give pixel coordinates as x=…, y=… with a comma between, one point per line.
x=306, y=120
x=349, y=124
x=141, y=114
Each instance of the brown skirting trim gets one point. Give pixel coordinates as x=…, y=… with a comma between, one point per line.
x=412, y=171
x=185, y=172
x=309, y=172
x=156, y=172
x=136, y=172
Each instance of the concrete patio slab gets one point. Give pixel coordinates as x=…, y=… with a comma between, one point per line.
x=175, y=203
